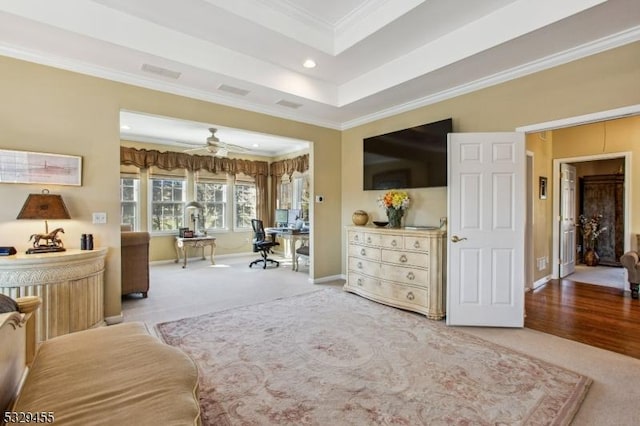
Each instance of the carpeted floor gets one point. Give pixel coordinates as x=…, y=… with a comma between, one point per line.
x=330, y=357
x=177, y=293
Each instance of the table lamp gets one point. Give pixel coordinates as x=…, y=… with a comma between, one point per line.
x=45, y=206
x=194, y=205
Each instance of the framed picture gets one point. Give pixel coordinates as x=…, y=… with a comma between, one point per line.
x=543, y=188
x=41, y=168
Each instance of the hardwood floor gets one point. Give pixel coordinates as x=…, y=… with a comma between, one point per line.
x=598, y=316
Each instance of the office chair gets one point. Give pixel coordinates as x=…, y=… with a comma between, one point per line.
x=261, y=244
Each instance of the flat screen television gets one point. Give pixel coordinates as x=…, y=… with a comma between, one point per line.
x=408, y=158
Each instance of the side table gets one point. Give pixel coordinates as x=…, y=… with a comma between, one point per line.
x=182, y=244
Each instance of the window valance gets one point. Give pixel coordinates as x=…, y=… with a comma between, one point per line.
x=290, y=165
x=146, y=158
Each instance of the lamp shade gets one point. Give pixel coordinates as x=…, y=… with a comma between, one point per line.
x=44, y=206
x=193, y=205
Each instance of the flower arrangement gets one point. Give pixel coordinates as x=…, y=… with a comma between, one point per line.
x=591, y=229
x=394, y=199
x=395, y=203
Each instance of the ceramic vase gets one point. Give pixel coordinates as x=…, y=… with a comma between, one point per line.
x=360, y=218
x=395, y=217
x=591, y=257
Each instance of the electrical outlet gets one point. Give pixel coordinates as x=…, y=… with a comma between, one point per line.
x=99, y=217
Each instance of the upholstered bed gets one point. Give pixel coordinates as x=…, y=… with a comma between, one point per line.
x=109, y=375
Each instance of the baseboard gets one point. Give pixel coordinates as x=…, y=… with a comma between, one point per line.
x=116, y=319
x=541, y=281
x=215, y=257
x=326, y=279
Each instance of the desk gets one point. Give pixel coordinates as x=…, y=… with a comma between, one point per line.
x=182, y=244
x=294, y=236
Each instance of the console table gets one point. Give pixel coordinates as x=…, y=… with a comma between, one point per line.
x=182, y=244
x=398, y=267
x=70, y=284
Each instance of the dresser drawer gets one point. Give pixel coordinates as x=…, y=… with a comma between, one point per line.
x=404, y=294
x=417, y=243
x=364, y=252
x=355, y=237
x=392, y=241
x=407, y=275
x=405, y=258
x=363, y=282
x=364, y=266
x=372, y=239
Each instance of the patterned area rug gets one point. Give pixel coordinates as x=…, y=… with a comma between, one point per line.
x=334, y=358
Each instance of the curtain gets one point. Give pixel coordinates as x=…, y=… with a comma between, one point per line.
x=258, y=170
x=278, y=169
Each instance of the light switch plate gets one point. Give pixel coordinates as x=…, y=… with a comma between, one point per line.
x=99, y=217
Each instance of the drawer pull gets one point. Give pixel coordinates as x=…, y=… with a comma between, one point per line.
x=359, y=282
x=363, y=252
x=416, y=244
x=411, y=276
x=394, y=243
x=359, y=265
x=368, y=240
x=403, y=259
x=356, y=238
x=410, y=295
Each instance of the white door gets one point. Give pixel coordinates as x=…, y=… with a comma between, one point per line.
x=486, y=203
x=567, y=219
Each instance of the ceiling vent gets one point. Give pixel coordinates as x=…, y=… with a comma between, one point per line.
x=160, y=71
x=234, y=90
x=288, y=104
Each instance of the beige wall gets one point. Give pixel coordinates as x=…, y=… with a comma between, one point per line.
x=601, y=82
x=50, y=110
x=541, y=144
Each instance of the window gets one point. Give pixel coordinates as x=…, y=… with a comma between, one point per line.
x=167, y=204
x=129, y=202
x=213, y=197
x=245, y=202
x=293, y=193
x=284, y=193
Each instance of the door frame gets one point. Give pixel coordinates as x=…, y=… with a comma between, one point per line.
x=555, y=272
x=576, y=121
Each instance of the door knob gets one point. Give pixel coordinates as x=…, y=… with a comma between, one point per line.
x=457, y=239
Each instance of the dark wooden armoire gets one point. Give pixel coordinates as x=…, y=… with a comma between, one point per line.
x=604, y=194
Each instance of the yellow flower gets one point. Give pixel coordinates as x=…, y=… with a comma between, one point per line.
x=395, y=199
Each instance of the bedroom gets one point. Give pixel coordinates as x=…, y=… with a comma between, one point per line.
x=53, y=110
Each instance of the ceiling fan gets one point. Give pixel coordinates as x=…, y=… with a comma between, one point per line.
x=216, y=147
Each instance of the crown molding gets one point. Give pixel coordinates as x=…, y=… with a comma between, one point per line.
x=162, y=86
x=597, y=46
x=606, y=43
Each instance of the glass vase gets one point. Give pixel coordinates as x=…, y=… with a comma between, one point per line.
x=395, y=217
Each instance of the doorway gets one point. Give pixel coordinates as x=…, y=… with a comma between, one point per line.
x=600, y=179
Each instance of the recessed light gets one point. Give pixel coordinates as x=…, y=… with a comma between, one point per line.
x=309, y=63
x=255, y=145
x=125, y=127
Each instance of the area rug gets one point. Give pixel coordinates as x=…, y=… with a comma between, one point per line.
x=334, y=358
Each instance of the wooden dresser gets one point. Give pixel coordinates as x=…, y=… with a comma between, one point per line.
x=398, y=267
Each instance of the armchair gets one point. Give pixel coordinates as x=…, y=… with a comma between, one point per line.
x=262, y=244
x=134, y=255
x=631, y=261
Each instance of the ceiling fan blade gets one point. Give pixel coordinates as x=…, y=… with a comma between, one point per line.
x=201, y=148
